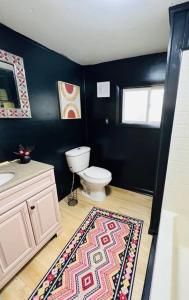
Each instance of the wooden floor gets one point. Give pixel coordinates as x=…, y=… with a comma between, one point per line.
x=119, y=200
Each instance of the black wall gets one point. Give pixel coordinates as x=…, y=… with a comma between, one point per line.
x=179, y=40
x=50, y=135
x=129, y=152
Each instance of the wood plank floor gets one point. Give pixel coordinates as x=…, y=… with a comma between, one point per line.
x=118, y=200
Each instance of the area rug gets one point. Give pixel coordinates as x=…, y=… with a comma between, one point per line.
x=98, y=263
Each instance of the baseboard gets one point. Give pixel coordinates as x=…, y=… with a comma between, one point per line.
x=152, y=232
x=149, y=271
x=135, y=189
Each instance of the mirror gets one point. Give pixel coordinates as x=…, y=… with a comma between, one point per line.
x=8, y=91
x=14, y=101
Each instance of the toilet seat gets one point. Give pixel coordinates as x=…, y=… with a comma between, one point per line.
x=97, y=173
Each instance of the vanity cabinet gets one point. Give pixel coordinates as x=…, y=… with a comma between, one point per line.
x=29, y=218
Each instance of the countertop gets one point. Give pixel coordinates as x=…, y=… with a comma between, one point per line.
x=23, y=172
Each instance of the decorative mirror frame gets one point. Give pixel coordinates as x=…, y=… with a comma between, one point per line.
x=19, y=72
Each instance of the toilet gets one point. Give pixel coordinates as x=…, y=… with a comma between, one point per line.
x=93, y=179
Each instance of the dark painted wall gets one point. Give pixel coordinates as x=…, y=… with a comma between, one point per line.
x=50, y=135
x=179, y=40
x=129, y=152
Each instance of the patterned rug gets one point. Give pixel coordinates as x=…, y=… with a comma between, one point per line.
x=98, y=263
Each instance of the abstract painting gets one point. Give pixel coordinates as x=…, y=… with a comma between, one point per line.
x=69, y=97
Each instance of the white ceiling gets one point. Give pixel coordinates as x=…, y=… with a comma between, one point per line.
x=92, y=31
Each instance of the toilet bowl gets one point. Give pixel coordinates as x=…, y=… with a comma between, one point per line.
x=93, y=179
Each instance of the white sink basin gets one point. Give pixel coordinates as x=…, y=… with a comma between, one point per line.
x=5, y=177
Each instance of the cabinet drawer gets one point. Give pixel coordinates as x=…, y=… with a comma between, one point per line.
x=25, y=190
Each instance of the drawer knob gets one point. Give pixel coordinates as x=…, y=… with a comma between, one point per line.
x=32, y=207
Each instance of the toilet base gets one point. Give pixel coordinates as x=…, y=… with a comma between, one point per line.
x=97, y=196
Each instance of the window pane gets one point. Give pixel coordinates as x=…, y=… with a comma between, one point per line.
x=135, y=105
x=156, y=102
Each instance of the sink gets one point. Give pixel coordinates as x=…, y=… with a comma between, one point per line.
x=6, y=177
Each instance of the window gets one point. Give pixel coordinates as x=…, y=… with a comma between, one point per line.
x=142, y=105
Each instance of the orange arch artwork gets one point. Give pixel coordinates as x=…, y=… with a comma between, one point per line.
x=70, y=103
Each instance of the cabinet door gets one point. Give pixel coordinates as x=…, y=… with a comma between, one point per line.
x=44, y=213
x=16, y=238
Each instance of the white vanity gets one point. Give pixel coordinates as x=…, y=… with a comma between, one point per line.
x=29, y=214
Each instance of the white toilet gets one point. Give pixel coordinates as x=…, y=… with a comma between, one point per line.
x=93, y=179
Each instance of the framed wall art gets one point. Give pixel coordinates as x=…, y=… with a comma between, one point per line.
x=70, y=103
x=14, y=100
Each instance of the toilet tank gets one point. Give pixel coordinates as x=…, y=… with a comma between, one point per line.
x=78, y=158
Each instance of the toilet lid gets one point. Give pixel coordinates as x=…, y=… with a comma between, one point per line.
x=97, y=173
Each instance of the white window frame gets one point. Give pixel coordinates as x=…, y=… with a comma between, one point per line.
x=146, y=122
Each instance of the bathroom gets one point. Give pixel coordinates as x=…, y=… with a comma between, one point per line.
x=132, y=158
